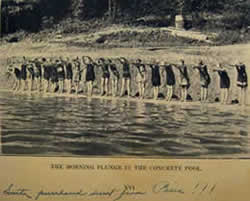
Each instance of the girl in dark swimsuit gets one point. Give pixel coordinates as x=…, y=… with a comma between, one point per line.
x=77, y=74
x=14, y=71
x=126, y=76
x=30, y=76
x=242, y=81
x=17, y=74
x=69, y=75
x=24, y=74
x=115, y=76
x=204, y=80
x=90, y=74
x=224, y=83
x=60, y=74
x=54, y=75
x=141, y=77
x=46, y=75
x=105, y=76
x=170, y=80
x=184, y=80
x=156, y=79
x=38, y=74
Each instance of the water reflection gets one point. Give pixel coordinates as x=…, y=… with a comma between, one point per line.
x=78, y=126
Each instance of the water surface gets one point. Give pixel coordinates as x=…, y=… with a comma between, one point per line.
x=63, y=126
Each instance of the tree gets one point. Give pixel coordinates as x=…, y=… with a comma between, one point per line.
x=112, y=7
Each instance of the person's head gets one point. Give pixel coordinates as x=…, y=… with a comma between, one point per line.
x=201, y=62
x=44, y=60
x=163, y=63
x=157, y=61
x=219, y=65
x=182, y=62
x=123, y=60
x=24, y=60
x=238, y=62
x=86, y=59
x=138, y=61
x=101, y=61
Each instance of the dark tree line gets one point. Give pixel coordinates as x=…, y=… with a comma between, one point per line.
x=47, y=12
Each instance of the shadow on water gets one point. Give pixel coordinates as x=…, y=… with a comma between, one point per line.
x=60, y=126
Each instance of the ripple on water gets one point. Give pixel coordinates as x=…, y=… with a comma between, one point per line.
x=65, y=126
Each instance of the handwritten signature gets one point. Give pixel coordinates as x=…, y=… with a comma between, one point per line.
x=114, y=194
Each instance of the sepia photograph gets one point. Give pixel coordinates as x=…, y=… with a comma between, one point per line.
x=125, y=78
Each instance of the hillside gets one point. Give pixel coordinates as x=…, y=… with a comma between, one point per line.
x=229, y=19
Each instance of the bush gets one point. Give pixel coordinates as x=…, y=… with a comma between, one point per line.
x=228, y=37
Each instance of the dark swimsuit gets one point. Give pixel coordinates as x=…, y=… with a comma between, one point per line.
x=90, y=75
x=17, y=74
x=115, y=71
x=156, y=78
x=224, y=79
x=38, y=70
x=204, y=76
x=170, y=75
x=24, y=72
x=105, y=71
x=242, y=80
x=69, y=71
x=77, y=72
x=185, y=83
x=60, y=72
x=54, y=75
x=126, y=71
x=32, y=72
x=47, y=72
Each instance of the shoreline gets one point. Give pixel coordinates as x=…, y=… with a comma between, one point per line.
x=131, y=99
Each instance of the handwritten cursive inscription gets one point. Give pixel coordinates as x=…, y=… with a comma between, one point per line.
x=59, y=193
x=129, y=190
x=114, y=193
x=11, y=190
x=167, y=187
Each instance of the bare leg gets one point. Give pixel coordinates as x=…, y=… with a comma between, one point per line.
x=171, y=93
x=77, y=87
x=221, y=96
x=202, y=94
x=205, y=94
x=128, y=87
x=143, y=90
x=102, y=86
x=116, y=86
x=226, y=96
x=155, y=92
x=185, y=95
x=244, y=95
x=123, y=86
x=91, y=88
x=106, y=84
x=239, y=95
x=14, y=85
x=139, y=89
x=30, y=85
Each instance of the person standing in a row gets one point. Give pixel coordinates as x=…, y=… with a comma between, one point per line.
x=156, y=78
x=170, y=80
x=242, y=81
x=184, y=80
x=224, y=83
x=90, y=74
x=204, y=80
x=115, y=76
x=126, y=76
x=141, y=79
